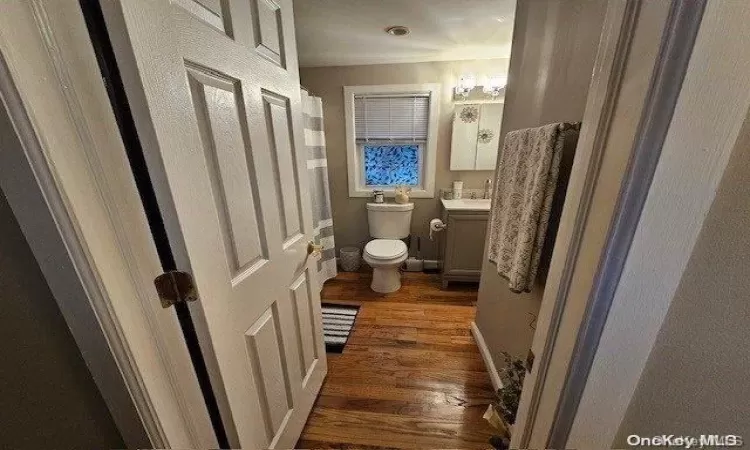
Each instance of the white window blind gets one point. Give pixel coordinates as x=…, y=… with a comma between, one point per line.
x=391, y=117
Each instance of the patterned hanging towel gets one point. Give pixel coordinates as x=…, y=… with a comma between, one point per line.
x=526, y=178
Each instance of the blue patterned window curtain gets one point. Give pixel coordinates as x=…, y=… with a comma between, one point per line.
x=391, y=165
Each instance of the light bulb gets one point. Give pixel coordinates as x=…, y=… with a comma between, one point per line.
x=495, y=84
x=465, y=84
x=468, y=82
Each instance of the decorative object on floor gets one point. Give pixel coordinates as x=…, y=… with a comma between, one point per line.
x=526, y=178
x=317, y=167
x=402, y=194
x=350, y=259
x=508, y=396
x=502, y=414
x=498, y=441
x=338, y=321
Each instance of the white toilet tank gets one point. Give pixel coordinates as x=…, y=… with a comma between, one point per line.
x=389, y=220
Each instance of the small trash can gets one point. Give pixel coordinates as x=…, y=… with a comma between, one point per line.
x=350, y=259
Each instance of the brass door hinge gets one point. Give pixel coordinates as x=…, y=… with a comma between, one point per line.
x=174, y=287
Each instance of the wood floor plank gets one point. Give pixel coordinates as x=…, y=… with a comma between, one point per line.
x=370, y=428
x=396, y=358
x=403, y=408
x=429, y=395
x=311, y=444
x=406, y=377
x=410, y=376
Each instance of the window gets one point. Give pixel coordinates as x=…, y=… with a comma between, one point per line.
x=391, y=133
x=391, y=165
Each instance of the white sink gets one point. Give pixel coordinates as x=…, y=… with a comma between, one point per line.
x=466, y=204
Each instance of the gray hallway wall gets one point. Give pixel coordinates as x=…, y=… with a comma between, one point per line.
x=695, y=380
x=48, y=397
x=552, y=58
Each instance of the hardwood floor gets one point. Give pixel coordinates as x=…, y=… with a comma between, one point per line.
x=410, y=376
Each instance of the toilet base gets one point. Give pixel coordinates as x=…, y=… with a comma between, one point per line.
x=386, y=280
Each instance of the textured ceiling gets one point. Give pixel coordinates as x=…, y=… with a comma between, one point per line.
x=350, y=32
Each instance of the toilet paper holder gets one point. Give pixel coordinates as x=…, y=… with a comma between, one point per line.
x=435, y=226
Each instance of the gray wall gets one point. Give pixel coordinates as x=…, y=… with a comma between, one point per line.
x=349, y=215
x=695, y=380
x=553, y=53
x=48, y=397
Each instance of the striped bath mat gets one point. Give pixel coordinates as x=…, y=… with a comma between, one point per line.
x=338, y=321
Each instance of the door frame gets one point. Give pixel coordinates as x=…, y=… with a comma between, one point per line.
x=676, y=48
x=568, y=329
x=71, y=188
x=74, y=213
x=708, y=125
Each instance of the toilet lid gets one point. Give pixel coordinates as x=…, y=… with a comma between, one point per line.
x=385, y=248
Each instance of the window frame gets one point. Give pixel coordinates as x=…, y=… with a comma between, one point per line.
x=354, y=150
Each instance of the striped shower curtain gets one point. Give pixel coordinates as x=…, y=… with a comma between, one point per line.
x=317, y=166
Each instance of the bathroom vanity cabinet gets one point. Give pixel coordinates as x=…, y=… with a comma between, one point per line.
x=462, y=241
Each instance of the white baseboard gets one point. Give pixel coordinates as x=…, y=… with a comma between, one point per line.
x=486, y=356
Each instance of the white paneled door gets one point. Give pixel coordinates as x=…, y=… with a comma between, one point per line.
x=214, y=88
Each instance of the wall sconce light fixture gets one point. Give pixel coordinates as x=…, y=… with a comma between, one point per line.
x=465, y=84
x=495, y=84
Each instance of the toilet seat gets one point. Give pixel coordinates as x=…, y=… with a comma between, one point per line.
x=385, y=249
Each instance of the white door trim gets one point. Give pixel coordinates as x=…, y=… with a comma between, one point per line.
x=630, y=59
x=705, y=129
x=670, y=70
x=70, y=186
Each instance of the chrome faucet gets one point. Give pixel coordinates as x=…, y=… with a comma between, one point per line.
x=487, y=189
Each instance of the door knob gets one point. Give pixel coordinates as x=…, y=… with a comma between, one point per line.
x=314, y=249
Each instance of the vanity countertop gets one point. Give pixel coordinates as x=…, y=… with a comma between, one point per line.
x=466, y=204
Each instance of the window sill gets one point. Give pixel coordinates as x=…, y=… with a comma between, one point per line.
x=390, y=193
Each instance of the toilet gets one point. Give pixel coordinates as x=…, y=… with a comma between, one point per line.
x=388, y=223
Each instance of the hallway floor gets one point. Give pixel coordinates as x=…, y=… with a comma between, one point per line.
x=410, y=376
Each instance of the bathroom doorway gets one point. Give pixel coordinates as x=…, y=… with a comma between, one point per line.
x=391, y=125
x=555, y=51
x=417, y=368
